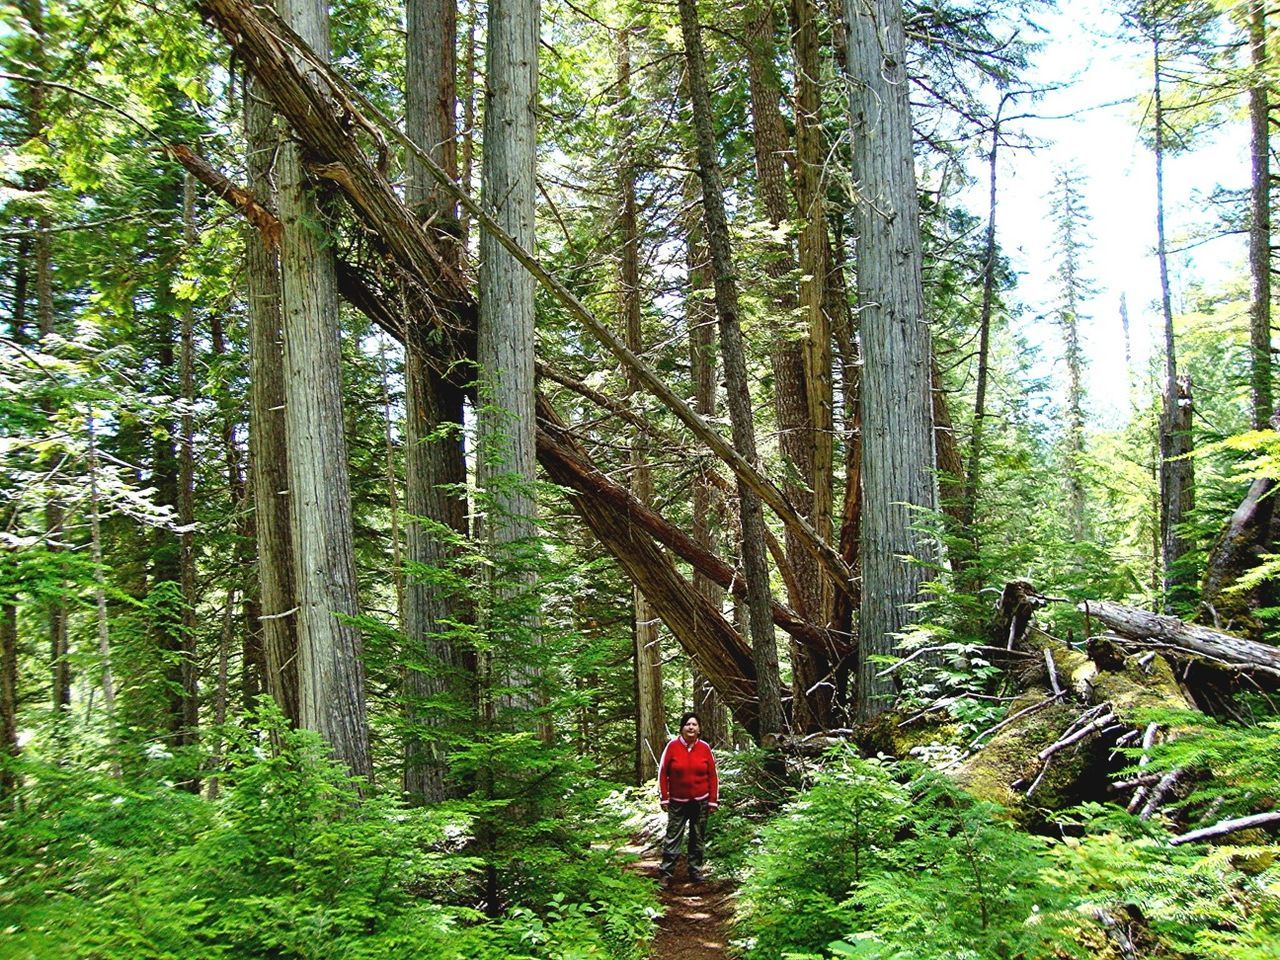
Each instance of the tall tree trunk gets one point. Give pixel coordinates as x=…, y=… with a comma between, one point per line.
x=898, y=442
x=965, y=557
x=794, y=400
x=100, y=574
x=1177, y=478
x=1070, y=216
x=505, y=438
x=168, y=626
x=1260, y=222
x=1130, y=378
x=435, y=467
x=268, y=442
x=54, y=513
x=755, y=564
x=708, y=501
x=468, y=116
x=330, y=670
x=393, y=483
x=252, y=662
x=9, y=750
x=814, y=258
x=651, y=728
x=187, y=488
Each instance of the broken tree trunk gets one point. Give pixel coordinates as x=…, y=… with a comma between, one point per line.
x=572, y=463
x=1141, y=628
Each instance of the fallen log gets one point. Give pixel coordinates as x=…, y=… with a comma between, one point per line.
x=1145, y=630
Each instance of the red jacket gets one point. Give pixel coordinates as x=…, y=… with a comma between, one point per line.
x=688, y=773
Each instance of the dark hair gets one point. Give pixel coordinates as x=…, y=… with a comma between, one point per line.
x=684, y=718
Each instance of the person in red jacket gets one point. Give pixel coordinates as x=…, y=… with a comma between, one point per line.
x=688, y=789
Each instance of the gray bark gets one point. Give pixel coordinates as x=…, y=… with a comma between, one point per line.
x=708, y=501
x=268, y=446
x=1177, y=477
x=1144, y=628
x=331, y=673
x=505, y=438
x=897, y=422
x=651, y=730
x=972, y=476
x=1260, y=221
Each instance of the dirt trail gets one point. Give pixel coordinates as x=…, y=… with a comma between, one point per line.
x=695, y=921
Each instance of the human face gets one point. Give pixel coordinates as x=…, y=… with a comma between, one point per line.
x=691, y=729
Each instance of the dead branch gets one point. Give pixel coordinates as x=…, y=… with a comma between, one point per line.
x=1227, y=827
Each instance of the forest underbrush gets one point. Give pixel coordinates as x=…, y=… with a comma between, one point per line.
x=290, y=861
x=1091, y=812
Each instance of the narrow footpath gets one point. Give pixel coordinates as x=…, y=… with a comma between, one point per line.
x=695, y=917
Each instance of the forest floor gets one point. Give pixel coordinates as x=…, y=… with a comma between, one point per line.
x=695, y=917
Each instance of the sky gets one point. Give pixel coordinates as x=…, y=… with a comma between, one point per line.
x=1100, y=140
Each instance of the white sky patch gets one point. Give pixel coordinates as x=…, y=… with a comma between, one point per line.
x=1099, y=138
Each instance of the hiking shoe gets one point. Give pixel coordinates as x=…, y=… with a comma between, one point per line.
x=695, y=876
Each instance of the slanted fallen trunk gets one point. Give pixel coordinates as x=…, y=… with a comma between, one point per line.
x=587, y=481
x=1247, y=537
x=1142, y=629
x=720, y=653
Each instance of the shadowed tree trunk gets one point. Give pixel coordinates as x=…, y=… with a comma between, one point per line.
x=36, y=181
x=1177, y=477
x=651, y=728
x=794, y=396
x=8, y=700
x=168, y=602
x=187, y=489
x=964, y=557
x=268, y=446
x=708, y=500
x=897, y=420
x=1260, y=221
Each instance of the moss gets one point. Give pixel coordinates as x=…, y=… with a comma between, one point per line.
x=1134, y=689
x=1010, y=756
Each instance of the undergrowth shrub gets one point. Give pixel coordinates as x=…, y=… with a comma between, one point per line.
x=289, y=862
x=884, y=860
x=814, y=852
x=749, y=791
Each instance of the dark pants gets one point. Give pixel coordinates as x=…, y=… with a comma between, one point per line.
x=693, y=815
